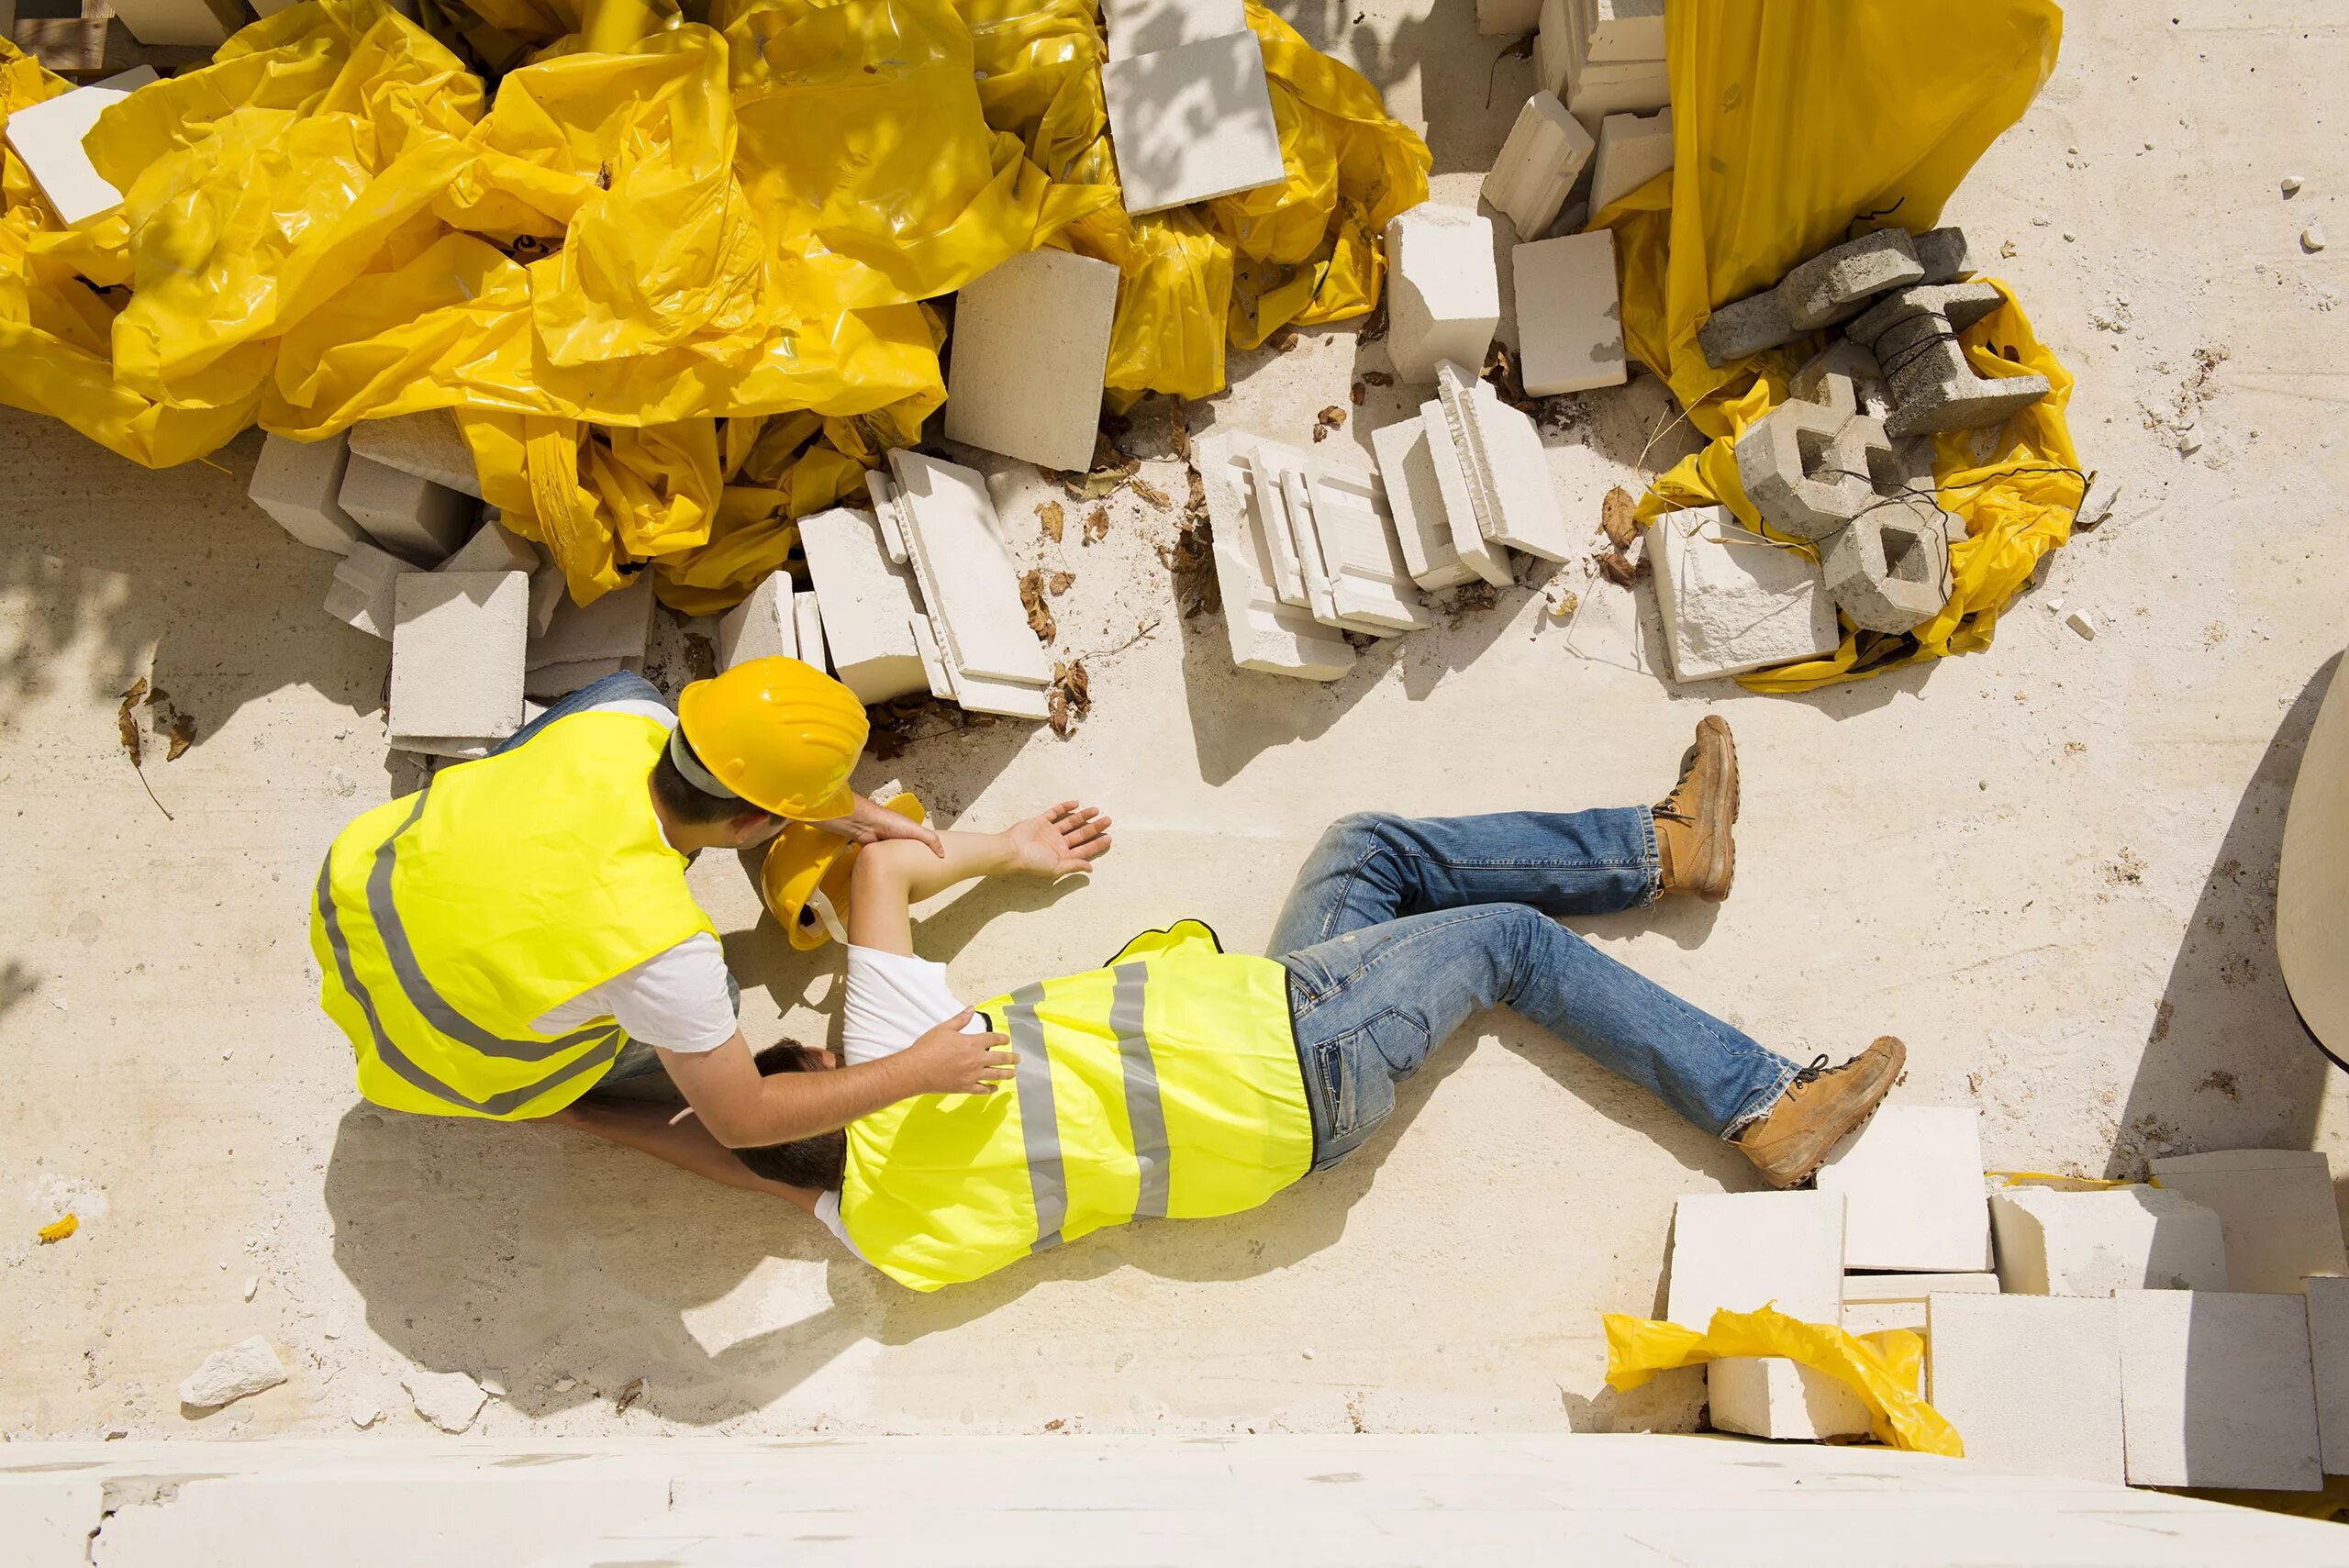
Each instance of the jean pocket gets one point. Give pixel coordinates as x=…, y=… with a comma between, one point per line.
x=1403, y=1041
x=1358, y=1093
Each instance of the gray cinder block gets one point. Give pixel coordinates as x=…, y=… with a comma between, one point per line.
x=300, y=484
x=1807, y=465
x=1836, y=285
x=1751, y=325
x=1888, y=568
x=1944, y=254
x=408, y=516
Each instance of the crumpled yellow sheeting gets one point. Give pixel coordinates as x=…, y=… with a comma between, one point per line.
x=1884, y=1371
x=1818, y=128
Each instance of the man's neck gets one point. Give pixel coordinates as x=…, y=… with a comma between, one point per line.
x=688, y=838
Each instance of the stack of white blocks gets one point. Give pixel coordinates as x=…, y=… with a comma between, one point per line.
x=1190, y=106
x=1603, y=57
x=1742, y=1252
x=868, y=606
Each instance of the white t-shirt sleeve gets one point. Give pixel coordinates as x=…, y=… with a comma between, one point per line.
x=892, y=1001
x=676, y=999
x=828, y=1213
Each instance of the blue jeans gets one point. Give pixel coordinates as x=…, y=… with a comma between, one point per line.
x=1399, y=929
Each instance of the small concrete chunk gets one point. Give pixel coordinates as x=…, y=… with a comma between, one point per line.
x=616, y=626
x=1945, y=256
x=2093, y=1244
x=363, y=591
x=760, y=627
x=1569, y=314
x=1266, y=635
x=1444, y=292
x=2031, y=1381
x=1746, y=328
x=2329, y=1350
x=1191, y=123
x=456, y=646
x=1415, y=496
x=1732, y=601
x=2276, y=1208
x=1770, y=1396
x=1633, y=149
x=1912, y=1181
x=1741, y=1252
x=1538, y=165
x=1509, y=473
x=300, y=484
x=1837, y=284
x=2216, y=1390
x=48, y=137
x=409, y=516
x=493, y=548
x=449, y=1400
x=247, y=1367
x=428, y=445
x=1139, y=26
x=866, y=602
x=1031, y=346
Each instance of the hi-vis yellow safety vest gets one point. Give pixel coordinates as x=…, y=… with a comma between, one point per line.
x=446, y=920
x=1164, y=1085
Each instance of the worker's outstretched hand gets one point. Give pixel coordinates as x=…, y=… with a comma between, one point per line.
x=1069, y=838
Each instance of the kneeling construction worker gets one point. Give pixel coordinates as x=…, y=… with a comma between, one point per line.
x=1182, y=1082
x=520, y=931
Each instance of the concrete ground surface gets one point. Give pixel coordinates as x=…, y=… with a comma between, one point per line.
x=2048, y=867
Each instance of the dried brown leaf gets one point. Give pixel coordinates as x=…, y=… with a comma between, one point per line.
x=1153, y=495
x=1618, y=516
x=1320, y=432
x=1072, y=697
x=183, y=736
x=1617, y=568
x=1096, y=525
x=1040, y=617
x=632, y=1391
x=1054, y=519
x=1059, y=583
x=1357, y=393
x=1332, y=416
x=126, y=727
x=1284, y=340
x=1178, y=429
x=1378, y=378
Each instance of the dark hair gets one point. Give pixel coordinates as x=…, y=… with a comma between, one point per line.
x=688, y=802
x=818, y=1161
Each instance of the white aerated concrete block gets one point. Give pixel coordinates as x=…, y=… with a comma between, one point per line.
x=1569, y=314
x=365, y=588
x=1732, y=601
x=969, y=582
x=760, y=627
x=2093, y=1244
x=2277, y=1207
x=1191, y=123
x=493, y=548
x=2216, y=1390
x=808, y=617
x=300, y=484
x=1360, y=558
x=2328, y=1301
x=173, y=22
x=1489, y=559
x=1266, y=635
x=1873, y=1303
x=1633, y=149
x=1031, y=346
x=1538, y=165
x=1415, y=496
x=1515, y=500
x=866, y=602
x=1139, y=26
x=1746, y=1250
x=2031, y=1381
x=457, y=646
x=1444, y=292
x=407, y=515
x=1770, y=1396
x=48, y=137
x=614, y=627
x=550, y=591
x=428, y=445
x=1912, y=1181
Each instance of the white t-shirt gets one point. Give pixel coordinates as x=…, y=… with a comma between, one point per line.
x=892, y=1001
x=678, y=998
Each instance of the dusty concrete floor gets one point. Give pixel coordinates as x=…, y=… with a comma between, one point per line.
x=2048, y=866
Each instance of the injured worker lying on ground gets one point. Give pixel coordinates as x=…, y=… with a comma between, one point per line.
x=1181, y=1082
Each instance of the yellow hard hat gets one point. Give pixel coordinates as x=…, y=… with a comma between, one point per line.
x=805, y=881
x=781, y=734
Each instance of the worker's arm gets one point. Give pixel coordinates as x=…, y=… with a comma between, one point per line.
x=872, y=823
x=890, y=879
x=743, y=1109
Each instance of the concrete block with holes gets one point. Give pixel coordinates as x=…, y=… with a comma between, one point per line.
x=457, y=643
x=1837, y=283
x=1732, y=601
x=1888, y=568
x=1544, y=155
x=428, y=445
x=2093, y=1244
x=760, y=627
x=2216, y=1390
x=1912, y=1181
x=2275, y=1208
x=2031, y=1381
x=1746, y=1250
x=1770, y=1396
x=299, y=484
x=1914, y=335
x=1633, y=149
x=1569, y=314
x=407, y=515
x=1443, y=291
x=1809, y=466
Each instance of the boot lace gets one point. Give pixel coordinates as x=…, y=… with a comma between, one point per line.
x=1669, y=807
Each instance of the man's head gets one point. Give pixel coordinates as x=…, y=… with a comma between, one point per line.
x=695, y=815
x=818, y=1161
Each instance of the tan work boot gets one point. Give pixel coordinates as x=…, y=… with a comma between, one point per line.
x=1789, y=1141
x=1693, y=823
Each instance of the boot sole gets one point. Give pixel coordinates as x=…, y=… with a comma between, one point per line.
x=1720, y=866
x=1858, y=1120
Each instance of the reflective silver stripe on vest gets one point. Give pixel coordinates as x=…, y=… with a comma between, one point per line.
x=1146, y=1117
x=392, y=1057
x=1040, y=1123
x=428, y=1003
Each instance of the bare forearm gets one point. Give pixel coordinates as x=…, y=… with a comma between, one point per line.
x=891, y=878
x=785, y=1106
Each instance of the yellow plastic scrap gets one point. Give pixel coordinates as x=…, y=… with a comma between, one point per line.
x=1817, y=130
x=1884, y=1371
x=59, y=1230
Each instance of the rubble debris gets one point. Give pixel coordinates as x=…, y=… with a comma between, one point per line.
x=2034, y=1382
x=2083, y=623
x=1444, y=292
x=1538, y=165
x=2052, y=1243
x=1268, y=634
x=1912, y=1181
x=1040, y=617
x=429, y=446
x=1053, y=519
x=1192, y=123
x=973, y=634
x=1770, y=1396
x=457, y=650
x=1072, y=697
x=1570, y=318
x=2313, y=239
x=1731, y=601
x=48, y=137
x=1031, y=346
x=449, y=1400
x=1914, y=335
x=1501, y=452
x=1489, y=559
x=764, y=626
x=413, y=518
x=1838, y=285
x=2276, y=1208
x=1414, y=496
x=299, y=484
x=2216, y=1390
x=1632, y=150
x=245, y=1368
x=1138, y=27
x=2292, y=183
x=866, y=602
x=1743, y=1250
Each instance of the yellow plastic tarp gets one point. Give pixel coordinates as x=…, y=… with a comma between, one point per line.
x=1884, y=1371
x=1797, y=125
